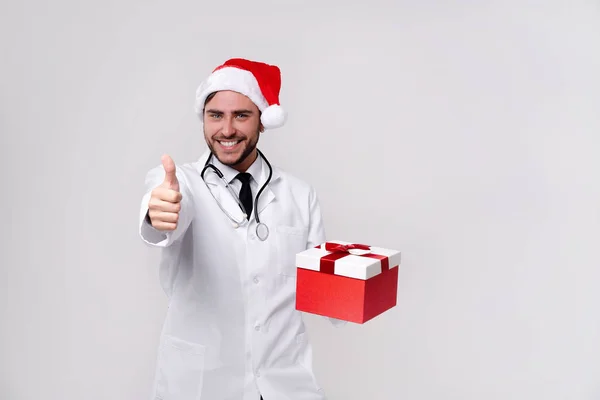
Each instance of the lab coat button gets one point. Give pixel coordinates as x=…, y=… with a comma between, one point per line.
x=255, y=280
x=257, y=327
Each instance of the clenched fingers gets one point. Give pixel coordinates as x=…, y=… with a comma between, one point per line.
x=166, y=194
x=157, y=204
x=164, y=226
x=163, y=216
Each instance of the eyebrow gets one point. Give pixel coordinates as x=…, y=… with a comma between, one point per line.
x=212, y=111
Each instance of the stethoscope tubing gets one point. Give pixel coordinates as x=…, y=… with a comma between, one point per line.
x=208, y=165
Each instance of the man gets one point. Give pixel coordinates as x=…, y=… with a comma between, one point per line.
x=232, y=331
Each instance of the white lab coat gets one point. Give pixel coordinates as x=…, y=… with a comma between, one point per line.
x=232, y=330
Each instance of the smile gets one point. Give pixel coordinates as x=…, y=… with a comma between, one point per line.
x=229, y=144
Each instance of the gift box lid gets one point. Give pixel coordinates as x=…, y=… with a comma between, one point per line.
x=347, y=259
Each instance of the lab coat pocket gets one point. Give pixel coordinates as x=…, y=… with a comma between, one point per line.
x=180, y=369
x=291, y=240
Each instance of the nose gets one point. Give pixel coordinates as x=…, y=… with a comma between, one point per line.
x=227, y=128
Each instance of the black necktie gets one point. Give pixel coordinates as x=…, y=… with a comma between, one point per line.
x=246, y=192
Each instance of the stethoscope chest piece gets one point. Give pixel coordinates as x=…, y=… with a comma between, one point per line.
x=262, y=231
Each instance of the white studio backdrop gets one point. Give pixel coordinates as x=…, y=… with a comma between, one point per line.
x=464, y=134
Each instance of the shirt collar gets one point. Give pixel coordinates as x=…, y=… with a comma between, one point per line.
x=229, y=173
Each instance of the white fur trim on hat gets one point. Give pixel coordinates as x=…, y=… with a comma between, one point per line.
x=244, y=82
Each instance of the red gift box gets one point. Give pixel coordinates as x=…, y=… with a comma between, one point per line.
x=346, y=281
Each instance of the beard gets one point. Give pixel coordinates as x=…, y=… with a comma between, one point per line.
x=248, y=150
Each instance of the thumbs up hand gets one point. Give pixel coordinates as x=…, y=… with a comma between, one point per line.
x=170, y=181
x=165, y=202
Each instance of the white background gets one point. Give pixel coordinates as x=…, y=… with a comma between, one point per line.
x=464, y=134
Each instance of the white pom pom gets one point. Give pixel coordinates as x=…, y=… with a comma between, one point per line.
x=273, y=117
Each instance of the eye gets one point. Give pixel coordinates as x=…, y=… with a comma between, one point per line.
x=241, y=116
x=215, y=116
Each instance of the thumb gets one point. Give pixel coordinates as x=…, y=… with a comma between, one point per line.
x=170, y=178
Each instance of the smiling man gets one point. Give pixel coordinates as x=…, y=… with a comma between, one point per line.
x=230, y=225
x=231, y=128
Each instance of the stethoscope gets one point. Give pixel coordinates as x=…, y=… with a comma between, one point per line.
x=262, y=231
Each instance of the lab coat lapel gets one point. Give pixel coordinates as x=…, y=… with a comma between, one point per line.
x=225, y=197
x=268, y=195
x=222, y=194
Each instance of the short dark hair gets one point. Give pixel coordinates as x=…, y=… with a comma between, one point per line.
x=209, y=98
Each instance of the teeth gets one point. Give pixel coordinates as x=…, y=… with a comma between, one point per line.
x=228, y=144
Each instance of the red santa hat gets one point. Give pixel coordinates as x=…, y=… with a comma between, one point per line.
x=258, y=81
